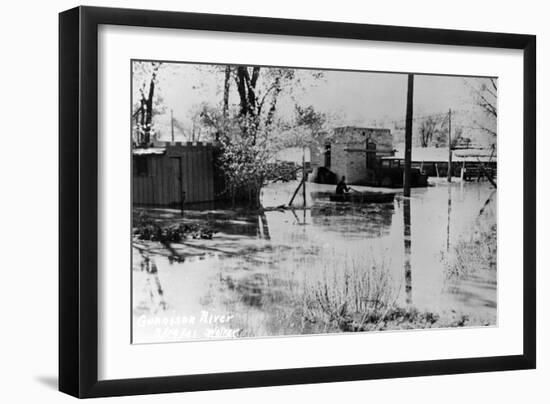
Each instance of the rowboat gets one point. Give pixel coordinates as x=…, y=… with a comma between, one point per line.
x=359, y=197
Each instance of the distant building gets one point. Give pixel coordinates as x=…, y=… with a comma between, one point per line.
x=434, y=161
x=353, y=152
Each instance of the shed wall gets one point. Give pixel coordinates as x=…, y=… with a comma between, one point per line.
x=187, y=168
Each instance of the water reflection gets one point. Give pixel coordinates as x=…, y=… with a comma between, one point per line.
x=354, y=220
x=254, y=264
x=407, y=241
x=449, y=208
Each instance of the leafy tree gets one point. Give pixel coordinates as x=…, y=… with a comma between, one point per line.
x=259, y=89
x=312, y=121
x=250, y=136
x=246, y=165
x=206, y=122
x=308, y=127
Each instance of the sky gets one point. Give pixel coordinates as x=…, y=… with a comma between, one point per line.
x=357, y=98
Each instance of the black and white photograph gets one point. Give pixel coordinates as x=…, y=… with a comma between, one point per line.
x=273, y=201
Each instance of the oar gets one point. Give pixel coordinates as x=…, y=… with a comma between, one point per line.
x=354, y=190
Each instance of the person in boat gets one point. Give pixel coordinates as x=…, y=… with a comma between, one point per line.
x=342, y=187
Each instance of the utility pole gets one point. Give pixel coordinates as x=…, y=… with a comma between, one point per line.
x=172, y=123
x=450, y=165
x=408, y=137
x=304, y=176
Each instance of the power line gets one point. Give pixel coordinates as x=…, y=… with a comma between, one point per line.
x=416, y=118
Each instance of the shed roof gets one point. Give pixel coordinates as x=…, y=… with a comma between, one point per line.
x=441, y=154
x=148, y=151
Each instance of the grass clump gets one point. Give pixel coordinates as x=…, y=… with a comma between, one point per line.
x=354, y=296
x=476, y=252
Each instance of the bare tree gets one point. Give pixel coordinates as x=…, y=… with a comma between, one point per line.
x=146, y=72
x=485, y=91
x=427, y=130
x=226, y=86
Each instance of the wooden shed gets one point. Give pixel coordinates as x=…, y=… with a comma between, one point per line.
x=169, y=174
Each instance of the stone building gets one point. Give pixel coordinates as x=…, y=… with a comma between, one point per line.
x=353, y=152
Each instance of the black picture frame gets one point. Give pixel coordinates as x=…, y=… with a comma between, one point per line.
x=78, y=200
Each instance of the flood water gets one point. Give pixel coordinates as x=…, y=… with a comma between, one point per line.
x=244, y=281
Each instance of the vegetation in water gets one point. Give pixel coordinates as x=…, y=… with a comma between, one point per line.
x=363, y=297
x=145, y=228
x=477, y=251
x=351, y=296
